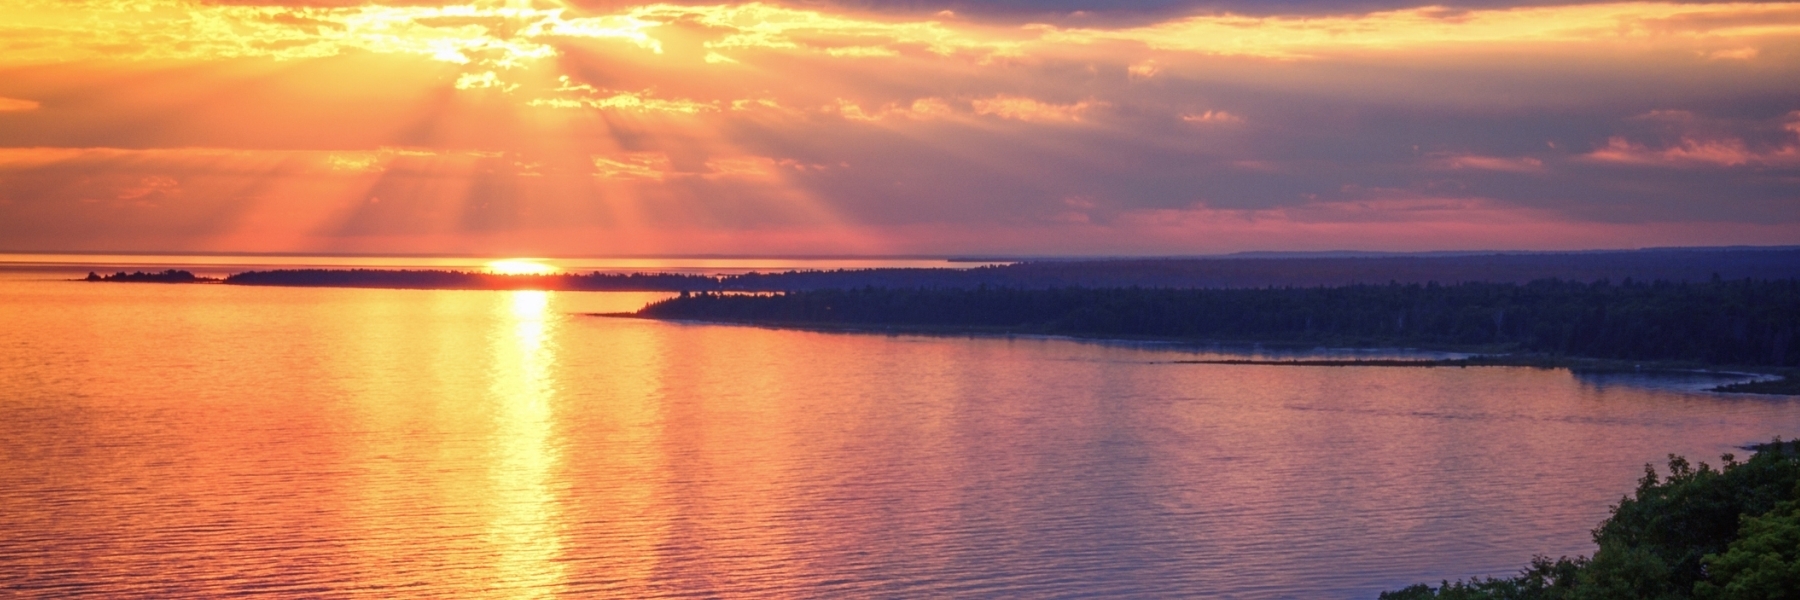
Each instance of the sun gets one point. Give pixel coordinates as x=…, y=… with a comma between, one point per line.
x=520, y=266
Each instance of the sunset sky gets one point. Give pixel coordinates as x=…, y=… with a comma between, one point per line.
x=910, y=127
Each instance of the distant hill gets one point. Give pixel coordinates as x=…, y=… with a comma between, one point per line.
x=1662, y=264
x=1736, y=322
x=1666, y=264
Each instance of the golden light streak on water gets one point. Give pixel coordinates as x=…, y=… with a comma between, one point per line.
x=526, y=527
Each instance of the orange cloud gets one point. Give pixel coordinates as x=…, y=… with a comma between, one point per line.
x=1143, y=70
x=1027, y=109
x=1745, y=53
x=1638, y=23
x=755, y=167
x=923, y=108
x=284, y=122
x=569, y=94
x=150, y=187
x=651, y=166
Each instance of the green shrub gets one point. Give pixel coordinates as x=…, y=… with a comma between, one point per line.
x=1762, y=564
x=1733, y=532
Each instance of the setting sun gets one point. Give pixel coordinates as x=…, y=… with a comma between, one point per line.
x=520, y=266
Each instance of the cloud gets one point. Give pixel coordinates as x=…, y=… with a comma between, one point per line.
x=1297, y=37
x=1027, y=109
x=1692, y=152
x=753, y=167
x=1705, y=142
x=1211, y=117
x=634, y=101
x=461, y=34
x=1143, y=70
x=483, y=80
x=1745, y=53
x=355, y=162
x=731, y=121
x=17, y=105
x=651, y=166
x=922, y=108
x=150, y=188
x=1522, y=164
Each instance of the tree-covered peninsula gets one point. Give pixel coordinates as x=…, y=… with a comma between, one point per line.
x=1743, y=322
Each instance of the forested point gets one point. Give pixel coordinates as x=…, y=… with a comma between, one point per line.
x=166, y=276
x=1744, y=322
x=1727, y=534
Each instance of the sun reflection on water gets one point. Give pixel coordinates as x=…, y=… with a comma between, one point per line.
x=526, y=527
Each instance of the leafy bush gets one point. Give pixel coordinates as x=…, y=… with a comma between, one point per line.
x=1763, y=563
x=1726, y=533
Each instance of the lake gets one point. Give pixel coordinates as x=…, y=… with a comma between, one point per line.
x=197, y=440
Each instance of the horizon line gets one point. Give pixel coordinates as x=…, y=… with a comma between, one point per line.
x=951, y=257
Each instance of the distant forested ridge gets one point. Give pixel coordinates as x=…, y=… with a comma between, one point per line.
x=1744, y=322
x=166, y=276
x=1666, y=264
x=1672, y=264
x=1676, y=264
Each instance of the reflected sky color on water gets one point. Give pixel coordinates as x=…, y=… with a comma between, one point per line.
x=204, y=440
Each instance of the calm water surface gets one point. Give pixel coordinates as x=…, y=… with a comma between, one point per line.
x=209, y=440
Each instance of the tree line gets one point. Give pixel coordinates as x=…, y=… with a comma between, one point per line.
x=1669, y=264
x=165, y=276
x=1745, y=322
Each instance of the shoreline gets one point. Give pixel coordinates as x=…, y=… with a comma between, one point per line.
x=1771, y=381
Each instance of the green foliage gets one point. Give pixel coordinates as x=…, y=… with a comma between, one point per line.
x=1762, y=564
x=1545, y=579
x=1676, y=538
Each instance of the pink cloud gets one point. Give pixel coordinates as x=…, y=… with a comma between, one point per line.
x=1028, y=109
x=1693, y=152
x=1522, y=164
x=1212, y=117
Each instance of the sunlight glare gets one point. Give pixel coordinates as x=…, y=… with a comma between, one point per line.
x=520, y=266
x=526, y=523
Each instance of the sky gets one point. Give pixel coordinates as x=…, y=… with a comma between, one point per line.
x=923, y=127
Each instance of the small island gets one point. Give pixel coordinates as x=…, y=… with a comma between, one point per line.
x=165, y=276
